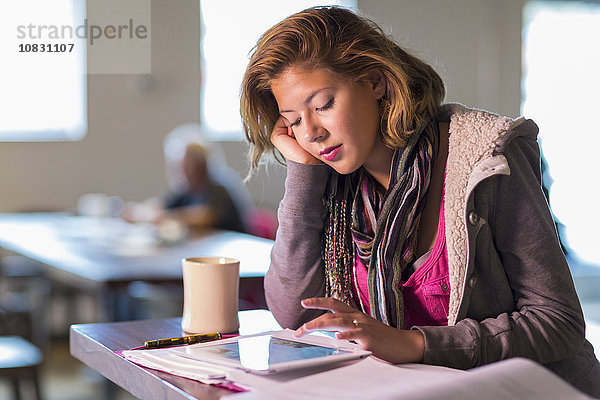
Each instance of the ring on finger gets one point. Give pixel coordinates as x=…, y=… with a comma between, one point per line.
x=355, y=323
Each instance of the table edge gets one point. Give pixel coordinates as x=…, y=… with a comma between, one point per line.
x=110, y=365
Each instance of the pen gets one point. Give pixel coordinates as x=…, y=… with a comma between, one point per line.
x=158, y=343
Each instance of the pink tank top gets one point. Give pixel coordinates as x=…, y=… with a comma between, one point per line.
x=427, y=292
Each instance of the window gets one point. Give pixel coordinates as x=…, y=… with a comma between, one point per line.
x=561, y=85
x=42, y=93
x=229, y=31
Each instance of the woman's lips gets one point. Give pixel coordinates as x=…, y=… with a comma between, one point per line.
x=331, y=153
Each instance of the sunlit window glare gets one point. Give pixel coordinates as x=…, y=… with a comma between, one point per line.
x=41, y=100
x=561, y=85
x=254, y=352
x=230, y=30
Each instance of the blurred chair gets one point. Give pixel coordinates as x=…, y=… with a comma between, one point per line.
x=19, y=359
x=25, y=290
x=24, y=293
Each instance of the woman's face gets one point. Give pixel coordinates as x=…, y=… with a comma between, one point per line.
x=334, y=119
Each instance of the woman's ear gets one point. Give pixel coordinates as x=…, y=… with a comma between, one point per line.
x=378, y=83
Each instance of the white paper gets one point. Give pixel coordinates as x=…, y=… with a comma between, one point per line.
x=515, y=378
x=366, y=379
x=167, y=361
x=511, y=379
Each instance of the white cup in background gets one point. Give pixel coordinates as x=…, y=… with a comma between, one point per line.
x=210, y=294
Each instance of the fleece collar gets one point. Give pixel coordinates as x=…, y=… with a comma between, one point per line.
x=475, y=137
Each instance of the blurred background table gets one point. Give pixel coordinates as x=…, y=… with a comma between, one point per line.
x=106, y=255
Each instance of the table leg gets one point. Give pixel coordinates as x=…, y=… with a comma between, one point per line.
x=115, y=304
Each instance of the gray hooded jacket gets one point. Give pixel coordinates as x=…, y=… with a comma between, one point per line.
x=512, y=294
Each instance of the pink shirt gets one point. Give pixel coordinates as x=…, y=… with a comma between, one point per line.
x=427, y=292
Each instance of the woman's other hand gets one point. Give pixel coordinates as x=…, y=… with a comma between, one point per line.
x=387, y=343
x=284, y=140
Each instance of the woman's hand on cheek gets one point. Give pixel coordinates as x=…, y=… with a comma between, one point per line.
x=284, y=140
x=387, y=343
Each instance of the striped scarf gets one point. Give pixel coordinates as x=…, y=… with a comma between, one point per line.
x=381, y=228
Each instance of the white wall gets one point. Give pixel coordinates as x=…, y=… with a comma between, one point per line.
x=473, y=44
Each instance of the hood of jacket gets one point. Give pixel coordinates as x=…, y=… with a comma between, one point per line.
x=477, y=139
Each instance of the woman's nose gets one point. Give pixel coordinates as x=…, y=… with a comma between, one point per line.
x=313, y=130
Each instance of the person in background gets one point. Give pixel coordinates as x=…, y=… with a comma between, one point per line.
x=415, y=228
x=203, y=191
x=202, y=203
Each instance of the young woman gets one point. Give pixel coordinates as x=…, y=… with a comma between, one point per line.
x=421, y=227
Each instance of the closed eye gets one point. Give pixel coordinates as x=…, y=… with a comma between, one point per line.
x=326, y=106
x=296, y=122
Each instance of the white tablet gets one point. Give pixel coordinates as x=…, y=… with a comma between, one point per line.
x=270, y=352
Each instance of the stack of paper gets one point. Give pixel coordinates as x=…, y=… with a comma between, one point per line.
x=515, y=378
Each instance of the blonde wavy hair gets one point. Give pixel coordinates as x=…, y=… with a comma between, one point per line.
x=346, y=44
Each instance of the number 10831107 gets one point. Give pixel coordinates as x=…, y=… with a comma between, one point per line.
x=46, y=47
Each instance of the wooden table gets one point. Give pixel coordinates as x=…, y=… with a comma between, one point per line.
x=105, y=255
x=94, y=345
